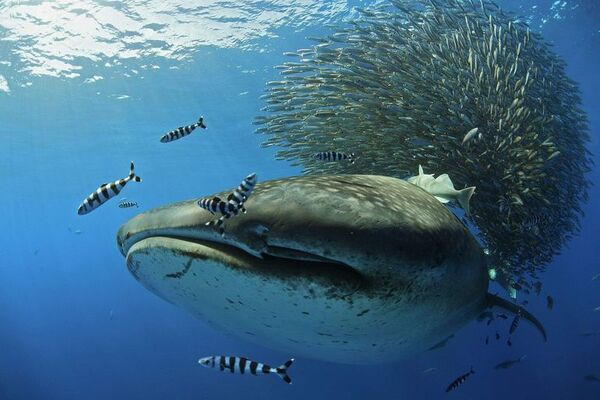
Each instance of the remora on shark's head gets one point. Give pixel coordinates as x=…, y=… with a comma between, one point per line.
x=443, y=188
x=346, y=268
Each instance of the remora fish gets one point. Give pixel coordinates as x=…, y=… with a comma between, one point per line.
x=105, y=192
x=509, y=363
x=458, y=381
x=442, y=188
x=182, y=131
x=333, y=277
x=549, y=302
x=243, y=365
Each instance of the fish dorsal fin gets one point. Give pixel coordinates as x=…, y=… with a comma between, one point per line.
x=421, y=170
x=445, y=179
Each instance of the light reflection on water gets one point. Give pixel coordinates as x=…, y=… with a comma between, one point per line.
x=55, y=38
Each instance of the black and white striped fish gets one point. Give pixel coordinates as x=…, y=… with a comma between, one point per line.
x=243, y=365
x=458, y=381
x=128, y=204
x=105, y=192
x=513, y=327
x=335, y=156
x=230, y=207
x=182, y=131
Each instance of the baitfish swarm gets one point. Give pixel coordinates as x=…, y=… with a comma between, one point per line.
x=403, y=83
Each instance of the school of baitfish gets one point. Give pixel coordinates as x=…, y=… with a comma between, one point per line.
x=459, y=87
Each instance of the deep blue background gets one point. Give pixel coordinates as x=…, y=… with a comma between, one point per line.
x=75, y=325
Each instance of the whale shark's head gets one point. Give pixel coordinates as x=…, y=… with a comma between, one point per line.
x=347, y=268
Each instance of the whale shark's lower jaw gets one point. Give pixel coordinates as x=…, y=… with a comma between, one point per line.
x=316, y=309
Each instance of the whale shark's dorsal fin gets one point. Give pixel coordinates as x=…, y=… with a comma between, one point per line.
x=495, y=301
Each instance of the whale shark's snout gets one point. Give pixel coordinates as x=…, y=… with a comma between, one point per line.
x=347, y=268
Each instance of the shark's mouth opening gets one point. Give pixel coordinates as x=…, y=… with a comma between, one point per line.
x=272, y=262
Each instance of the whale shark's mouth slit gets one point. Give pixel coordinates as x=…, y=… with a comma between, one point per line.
x=344, y=279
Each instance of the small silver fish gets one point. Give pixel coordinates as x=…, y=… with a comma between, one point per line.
x=509, y=363
x=470, y=135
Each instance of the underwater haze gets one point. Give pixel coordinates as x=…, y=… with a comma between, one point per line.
x=87, y=86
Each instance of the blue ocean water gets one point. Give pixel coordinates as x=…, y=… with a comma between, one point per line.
x=86, y=86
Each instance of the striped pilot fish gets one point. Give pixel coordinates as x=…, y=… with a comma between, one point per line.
x=243, y=365
x=105, y=192
x=459, y=381
x=182, y=131
x=230, y=207
x=335, y=156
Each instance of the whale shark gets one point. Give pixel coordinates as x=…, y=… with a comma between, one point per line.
x=355, y=269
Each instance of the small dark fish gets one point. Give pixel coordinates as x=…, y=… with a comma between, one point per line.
x=128, y=204
x=549, y=302
x=503, y=316
x=442, y=343
x=509, y=342
x=489, y=322
x=335, y=156
x=485, y=315
x=533, y=224
x=242, y=365
x=497, y=336
x=538, y=287
x=458, y=381
x=515, y=323
x=487, y=340
x=587, y=334
x=509, y=363
x=592, y=378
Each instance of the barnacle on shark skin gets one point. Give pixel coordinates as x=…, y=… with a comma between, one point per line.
x=402, y=85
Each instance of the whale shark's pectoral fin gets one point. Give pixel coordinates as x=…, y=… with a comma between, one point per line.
x=495, y=301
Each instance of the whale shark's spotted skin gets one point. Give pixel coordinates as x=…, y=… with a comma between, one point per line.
x=347, y=268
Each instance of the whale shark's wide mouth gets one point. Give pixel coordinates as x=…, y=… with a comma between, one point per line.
x=280, y=263
x=201, y=242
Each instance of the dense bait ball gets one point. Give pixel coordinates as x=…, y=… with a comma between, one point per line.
x=403, y=84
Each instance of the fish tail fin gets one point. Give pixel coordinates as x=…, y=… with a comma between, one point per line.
x=201, y=122
x=218, y=223
x=132, y=175
x=495, y=301
x=464, y=196
x=282, y=371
